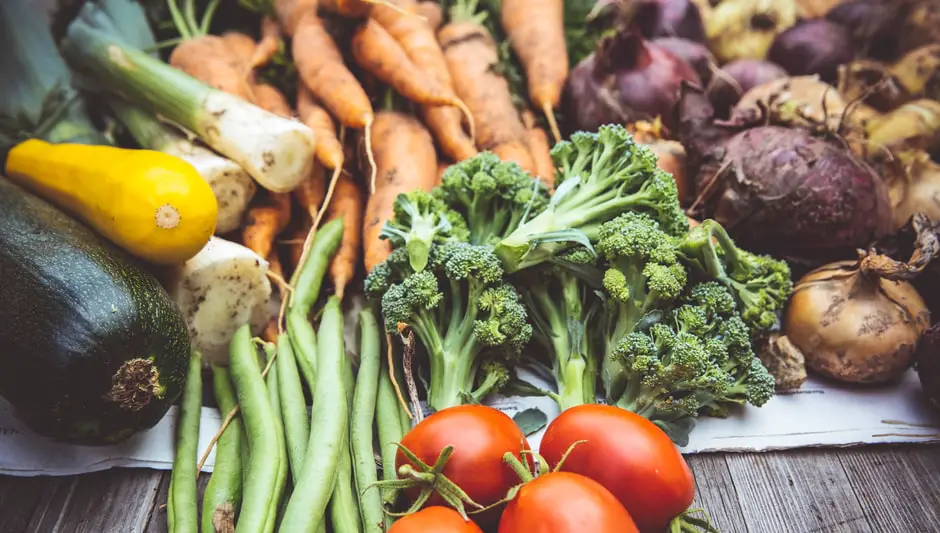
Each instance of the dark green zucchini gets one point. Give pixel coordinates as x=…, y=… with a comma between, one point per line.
x=92, y=349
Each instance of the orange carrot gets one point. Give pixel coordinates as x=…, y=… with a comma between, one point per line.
x=329, y=149
x=269, y=44
x=265, y=221
x=417, y=39
x=209, y=59
x=296, y=237
x=406, y=160
x=442, y=167
x=346, y=8
x=536, y=29
x=540, y=148
x=269, y=98
x=472, y=57
x=311, y=192
x=240, y=47
x=290, y=13
x=347, y=203
x=517, y=152
x=376, y=51
x=431, y=11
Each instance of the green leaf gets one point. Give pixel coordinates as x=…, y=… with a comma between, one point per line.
x=531, y=420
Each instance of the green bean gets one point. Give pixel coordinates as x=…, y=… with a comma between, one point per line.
x=360, y=428
x=388, y=418
x=258, y=417
x=328, y=426
x=307, y=280
x=344, y=506
x=273, y=380
x=183, y=504
x=225, y=484
x=304, y=341
x=293, y=405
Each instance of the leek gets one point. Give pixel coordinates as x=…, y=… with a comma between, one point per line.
x=277, y=152
x=232, y=186
x=37, y=99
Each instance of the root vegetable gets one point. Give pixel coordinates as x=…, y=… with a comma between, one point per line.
x=916, y=191
x=674, y=18
x=927, y=363
x=741, y=29
x=801, y=98
x=695, y=54
x=815, y=46
x=737, y=78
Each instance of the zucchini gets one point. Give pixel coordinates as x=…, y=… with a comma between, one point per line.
x=92, y=349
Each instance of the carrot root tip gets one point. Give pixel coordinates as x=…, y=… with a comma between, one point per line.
x=552, y=123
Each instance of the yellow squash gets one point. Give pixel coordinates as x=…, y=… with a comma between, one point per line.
x=154, y=205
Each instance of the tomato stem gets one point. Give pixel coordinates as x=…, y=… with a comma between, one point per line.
x=525, y=475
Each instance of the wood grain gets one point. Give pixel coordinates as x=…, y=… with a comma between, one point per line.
x=715, y=492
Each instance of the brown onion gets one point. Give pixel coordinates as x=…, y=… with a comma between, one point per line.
x=927, y=363
x=737, y=78
x=739, y=29
x=916, y=191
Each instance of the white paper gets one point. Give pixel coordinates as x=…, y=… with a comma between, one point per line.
x=819, y=414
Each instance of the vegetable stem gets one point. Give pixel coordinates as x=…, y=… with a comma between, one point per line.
x=183, y=502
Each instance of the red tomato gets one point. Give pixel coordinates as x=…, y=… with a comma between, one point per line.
x=562, y=502
x=481, y=436
x=628, y=455
x=434, y=520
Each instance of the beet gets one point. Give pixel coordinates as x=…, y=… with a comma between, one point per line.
x=625, y=80
x=695, y=54
x=876, y=26
x=815, y=46
x=782, y=191
x=671, y=18
x=747, y=74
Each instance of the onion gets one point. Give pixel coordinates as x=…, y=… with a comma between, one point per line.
x=916, y=191
x=816, y=8
x=782, y=191
x=873, y=24
x=625, y=80
x=918, y=72
x=693, y=53
x=805, y=96
x=737, y=78
x=815, y=46
x=915, y=126
x=673, y=18
x=921, y=26
x=927, y=363
x=871, y=82
x=857, y=321
x=739, y=29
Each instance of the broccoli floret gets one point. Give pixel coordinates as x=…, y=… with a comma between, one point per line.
x=760, y=284
x=643, y=275
x=493, y=196
x=562, y=305
x=600, y=176
x=459, y=308
x=494, y=375
x=419, y=220
x=696, y=359
x=383, y=275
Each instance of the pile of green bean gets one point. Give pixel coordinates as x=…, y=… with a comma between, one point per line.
x=276, y=468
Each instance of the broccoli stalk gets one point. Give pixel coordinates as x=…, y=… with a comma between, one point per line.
x=562, y=308
x=460, y=308
x=761, y=284
x=420, y=219
x=599, y=176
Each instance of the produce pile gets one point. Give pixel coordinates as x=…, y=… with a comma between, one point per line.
x=200, y=198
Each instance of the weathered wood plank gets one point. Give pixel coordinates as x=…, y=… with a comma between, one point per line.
x=716, y=493
x=802, y=491
x=113, y=500
x=23, y=500
x=157, y=520
x=899, y=488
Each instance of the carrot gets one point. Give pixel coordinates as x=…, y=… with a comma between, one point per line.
x=540, y=148
x=269, y=44
x=417, y=39
x=347, y=203
x=290, y=13
x=296, y=237
x=517, y=152
x=209, y=59
x=377, y=52
x=311, y=192
x=320, y=67
x=269, y=98
x=266, y=221
x=472, y=57
x=442, y=167
x=240, y=47
x=272, y=328
x=329, y=149
x=431, y=11
x=536, y=29
x=405, y=160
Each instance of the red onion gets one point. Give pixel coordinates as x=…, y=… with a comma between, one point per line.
x=672, y=18
x=693, y=53
x=625, y=80
x=814, y=46
x=737, y=78
x=875, y=25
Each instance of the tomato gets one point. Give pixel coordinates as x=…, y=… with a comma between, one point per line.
x=562, y=502
x=434, y=520
x=481, y=436
x=628, y=455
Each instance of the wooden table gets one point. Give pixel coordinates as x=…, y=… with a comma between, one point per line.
x=855, y=490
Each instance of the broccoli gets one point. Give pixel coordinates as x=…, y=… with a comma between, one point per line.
x=760, y=283
x=643, y=277
x=461, y=310
x=419, y=220
x=493, y=196
x=599, y=176
x=562, y=306
x=696, y=360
